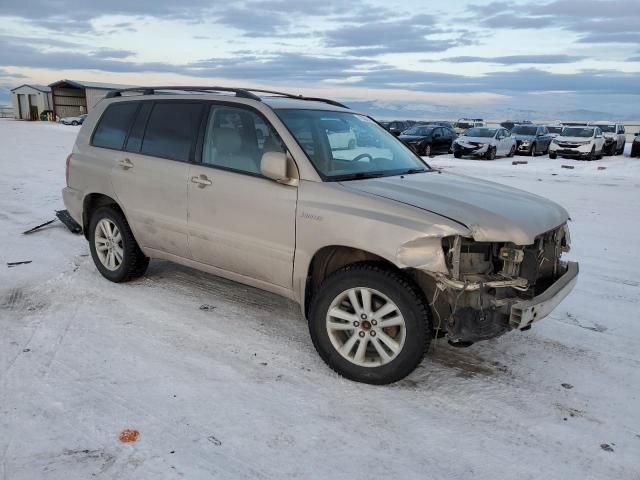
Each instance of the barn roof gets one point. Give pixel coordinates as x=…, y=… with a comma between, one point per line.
x=95, y=85
x=42, y=88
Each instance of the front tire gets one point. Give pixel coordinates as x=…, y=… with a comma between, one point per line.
x=457, y=154
x=533, y=150
x=370, y=324
x=512, y=152
x=491, y=153
x=114, y=250
x=553, y=155
x=74, y=123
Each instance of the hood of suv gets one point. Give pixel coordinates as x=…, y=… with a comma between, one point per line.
x=574, y=139
x=523, y=137
x=492, y=212
x=474, y=140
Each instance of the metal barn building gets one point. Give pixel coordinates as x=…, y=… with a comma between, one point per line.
x=72, y=98
x=29, y=101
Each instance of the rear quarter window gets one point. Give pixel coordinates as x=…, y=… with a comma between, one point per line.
x=114, y=125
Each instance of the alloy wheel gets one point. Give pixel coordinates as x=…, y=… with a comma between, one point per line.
x=366, y=327
x=108, y=243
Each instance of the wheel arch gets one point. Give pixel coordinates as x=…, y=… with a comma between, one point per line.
x=91, y=203
x=330, y=258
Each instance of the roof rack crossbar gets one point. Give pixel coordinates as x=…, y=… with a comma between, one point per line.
x=240, y=92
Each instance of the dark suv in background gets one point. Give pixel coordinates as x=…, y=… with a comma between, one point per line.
x=396, y=127
x=531, y=139
x=426, y=140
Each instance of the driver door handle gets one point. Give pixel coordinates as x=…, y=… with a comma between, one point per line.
x=126, y=163
x=202, y=181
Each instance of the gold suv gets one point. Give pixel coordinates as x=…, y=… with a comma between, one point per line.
x=307, y=199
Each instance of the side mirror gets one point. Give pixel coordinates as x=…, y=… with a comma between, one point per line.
x=276, y=166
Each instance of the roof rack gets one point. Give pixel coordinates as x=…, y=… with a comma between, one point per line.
x=240, y=92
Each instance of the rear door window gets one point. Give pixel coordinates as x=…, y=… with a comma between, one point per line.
x=172, y=130
x=114, y=125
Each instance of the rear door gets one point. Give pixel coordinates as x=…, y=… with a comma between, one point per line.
x=240, y=221
x=151, y=176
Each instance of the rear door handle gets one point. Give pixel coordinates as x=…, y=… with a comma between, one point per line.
x=126, y=163
x=202, y=181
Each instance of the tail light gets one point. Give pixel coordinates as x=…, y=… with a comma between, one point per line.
x=66, y=170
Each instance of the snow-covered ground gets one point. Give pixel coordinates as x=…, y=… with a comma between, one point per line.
x=236, y=390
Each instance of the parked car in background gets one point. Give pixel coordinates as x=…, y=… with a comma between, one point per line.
x=340, y=135
x=554, y=130
x=484, y=142
x=396, y=127
x=382, y=252
x=509, y=124
x=426, y=140
x=615, y=137
x=531, y=139
x=635, y=146
x=578, y=142
x=465, y=123
x=437, y=122
x=74, y=120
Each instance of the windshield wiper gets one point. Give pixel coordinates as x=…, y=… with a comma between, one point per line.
x=357, y=176
x=414, y=170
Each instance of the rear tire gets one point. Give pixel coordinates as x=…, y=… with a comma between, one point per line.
x=491, y=153
x=553, y=155
x=74, y=123
x=621, y=151
x=457, y=154
x=353, y=341
x=114, y=250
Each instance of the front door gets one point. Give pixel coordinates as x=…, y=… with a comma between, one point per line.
x=240, y=221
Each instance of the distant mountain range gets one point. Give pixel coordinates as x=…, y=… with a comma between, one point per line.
x=406, y=111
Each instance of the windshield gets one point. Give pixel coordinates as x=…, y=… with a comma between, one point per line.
x=347, y=146
x=524, y=130
x=585, y=132
x=608, y=128
x=557, y=130
x=480, y=132
x=423, y=131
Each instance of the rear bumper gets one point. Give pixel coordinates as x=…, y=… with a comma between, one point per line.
x=523, y=314
x=73, y=199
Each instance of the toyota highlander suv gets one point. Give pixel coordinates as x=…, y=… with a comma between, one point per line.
x=382, y=252
x=614, y=135
x=585, y=143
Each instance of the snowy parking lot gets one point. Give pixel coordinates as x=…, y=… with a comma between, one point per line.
x=222, y=380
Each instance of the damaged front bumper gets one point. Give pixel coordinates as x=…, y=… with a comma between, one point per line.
x=492, y=288
x=524, y=313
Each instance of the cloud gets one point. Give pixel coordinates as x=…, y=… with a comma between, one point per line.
x=515, y=59
x=406, y=35
x=594, y=21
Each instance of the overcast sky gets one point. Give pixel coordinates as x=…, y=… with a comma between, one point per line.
x=472, y=55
